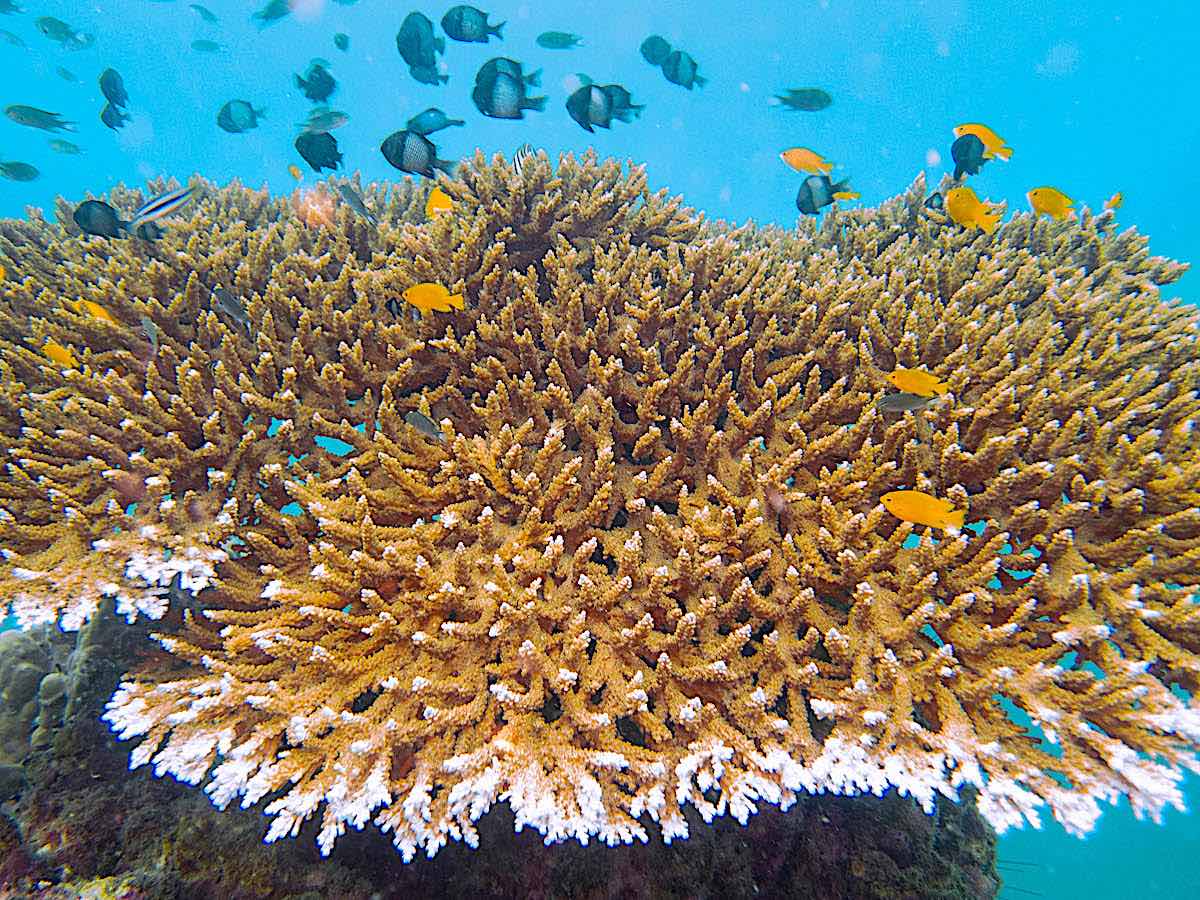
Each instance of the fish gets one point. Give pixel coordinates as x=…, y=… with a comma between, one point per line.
x=204, y=13
x=846, y=195
x=470, y=25
x=59, y=31
x=151, y=332
x=322, y=118
x=238, y=116
x=112, y=86
x=558, y=40
x=56, y=352
x=18, y=171
x=904, y=402
x=354, y=200
x=114, y=117
x=319, y=149
x=317, y=84
x=804, y=99
x=98, y=218
x=430, y=297
x=341, y=40
x=3, y=272
x=206, y=46
x=416, y=43
x=272, y=12
x=968, y=155
x=1115, y=201
x=935, y=201
x=148, y=231
x=38, y=118
x=66, y=74
x=294, y=171
x=427, y=75
x=500, y=90
x=439, y=201
x=522, y=155
x=599, y=104
x=655, y=50
x=680, y=68
x=91, y=308
x=917, y=381
x=966, y=209
x=431, y=120
x=161, y=206
x=425, y=425
x=414, y=153
x=9, y=38
x=1051, y=202
x=921, y=508
x=818, y=191
x=993, y=144
x=7, y=7
x=225, y=302
x=804, y=160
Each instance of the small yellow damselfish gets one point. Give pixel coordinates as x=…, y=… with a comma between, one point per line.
x=439, y=201
x=56, y=352
x=92, y=309
x=921, y=508
x=917, y=381
x=967, y=210
x=1051, y=202
x=428, y=296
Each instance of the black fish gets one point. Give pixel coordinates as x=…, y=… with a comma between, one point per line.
x=97, y=217
x=805, y=99
x=113, y=116
x=272, y=12
x=414, y=153
x=431, y=120
x=816, y=192
x=318, y=85
x=470, y=25
x=416, y=42
x=18, y=171
x=113, y=87
x=599, y=104
x=680, y=68
x=934, y=201
x=149, y=231
x=341, y=41
x=500, y=90
x=967, y=153
x=655, y=50
x=237, y=116
x=319, y=149
x=427, y=75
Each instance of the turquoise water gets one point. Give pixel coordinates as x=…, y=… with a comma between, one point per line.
x=1094, y=98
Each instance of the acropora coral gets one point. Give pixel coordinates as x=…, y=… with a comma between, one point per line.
x=646, y=565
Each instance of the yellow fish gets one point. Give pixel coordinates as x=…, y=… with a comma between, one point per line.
x=1051, y=202
x=92, y=309
x=3, y=272
x=921, y=508
x=917, y=381
x=1115, y=201
x=993, y=144
x=804, y=160
x=428, y=296
x=968, y=210
x=294, y=171
x=439, y=201
x=846, y=195
x=56, y=352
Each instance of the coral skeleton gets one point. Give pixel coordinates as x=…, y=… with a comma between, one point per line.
x=646, y=564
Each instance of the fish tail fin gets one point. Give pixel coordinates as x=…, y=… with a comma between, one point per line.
x=534, y=79
x=456, y=300
x=699, y=80
x=989, y=220
x=301, y=83
x=1004, y=153
x=956, y=518
x=534, y=103
x=440, y=45
x=450, y=122
x=842, y=186
x=497, y=30
x=445, y=165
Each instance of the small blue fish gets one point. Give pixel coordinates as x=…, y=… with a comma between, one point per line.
x=160, y=206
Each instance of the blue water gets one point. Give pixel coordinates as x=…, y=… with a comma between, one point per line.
x=1094, y=98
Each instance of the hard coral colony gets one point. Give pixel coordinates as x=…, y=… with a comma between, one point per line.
x=648, y=565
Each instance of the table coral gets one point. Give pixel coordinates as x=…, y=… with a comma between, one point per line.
x=647, y=565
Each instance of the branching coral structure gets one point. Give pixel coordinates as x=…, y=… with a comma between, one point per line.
x=644, y=564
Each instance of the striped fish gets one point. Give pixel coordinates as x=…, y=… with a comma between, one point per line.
x=523, y=153
x=160, y=206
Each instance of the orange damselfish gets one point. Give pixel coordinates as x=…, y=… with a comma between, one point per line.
x=965, y=208
x=921, y=508
x=428, y=296
x=804, y=160
x=917, y=381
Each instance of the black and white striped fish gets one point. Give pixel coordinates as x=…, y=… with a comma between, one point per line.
x=160, y=206
x=523, y=153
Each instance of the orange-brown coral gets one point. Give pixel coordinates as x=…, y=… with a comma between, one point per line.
x=646, y=564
